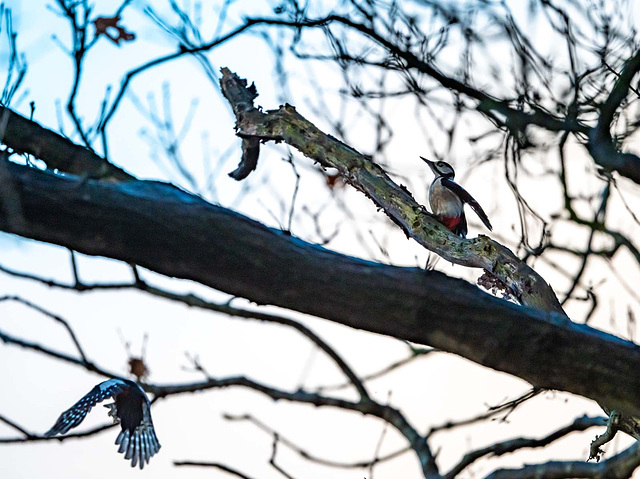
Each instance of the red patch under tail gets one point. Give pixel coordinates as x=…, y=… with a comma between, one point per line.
x=455, y=224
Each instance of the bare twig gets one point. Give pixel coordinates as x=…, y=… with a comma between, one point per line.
x=272, y=459
x=414, y=354
x=15, y=426
x=29, y=437
x=53, y=316
x=309, y=455
x=505, y=408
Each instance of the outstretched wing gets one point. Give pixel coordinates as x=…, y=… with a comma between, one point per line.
x=141, y=444
x=76, y=413
x=467, y=198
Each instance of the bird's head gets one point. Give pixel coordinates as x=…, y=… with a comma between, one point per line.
x=440, y=168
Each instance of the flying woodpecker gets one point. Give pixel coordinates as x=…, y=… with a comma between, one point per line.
x=131, y=409
x=447, y=199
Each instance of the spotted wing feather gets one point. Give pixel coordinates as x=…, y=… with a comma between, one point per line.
x=467, y=198
x=76, y=413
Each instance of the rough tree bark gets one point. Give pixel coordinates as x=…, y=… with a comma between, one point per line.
x=177, y=234
x=25, y=136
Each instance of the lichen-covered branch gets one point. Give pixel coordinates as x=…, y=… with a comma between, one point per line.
x=286, y=124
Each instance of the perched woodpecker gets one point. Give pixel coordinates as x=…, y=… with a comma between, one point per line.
x=131, y=409
x=447, y=199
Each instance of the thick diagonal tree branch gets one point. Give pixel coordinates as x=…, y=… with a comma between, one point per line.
x=177, y=234
x=26, y=136
x=287, y=125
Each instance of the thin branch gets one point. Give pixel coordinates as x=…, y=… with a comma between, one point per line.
x=15, y=426
x=505, y=447
x=78, y=50
x=415, y=354
x=89, y=366
x=272, y=459
x=295, y=191
x=40, y=438
x=620, y=466
x=601, y=145
x=196, y=301
x=376, y=455
x=310, y=456
x=53, y=316
x=506, y=407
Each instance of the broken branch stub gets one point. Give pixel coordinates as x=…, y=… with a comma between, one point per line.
x=240, y=97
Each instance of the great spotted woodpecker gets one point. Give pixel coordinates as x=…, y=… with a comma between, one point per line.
x=447, y=199
x=131, y=409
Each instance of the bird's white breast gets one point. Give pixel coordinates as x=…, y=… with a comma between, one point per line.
x=443, y=201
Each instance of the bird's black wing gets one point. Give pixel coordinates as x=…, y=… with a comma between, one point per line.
x=76, y=413
x=467, y=198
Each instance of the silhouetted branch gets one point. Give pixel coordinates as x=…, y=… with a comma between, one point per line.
x=88, y=365
x=414, y=354
x=53, y=316
x=30, y=437
x=620, y=466
x=506, y=447
x=310, y=456
x=505, y=408
x=272, y=459
x=601, y=145
x=15, y=426
x=370, y=408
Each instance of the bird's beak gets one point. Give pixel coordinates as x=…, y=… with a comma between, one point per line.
x=430, y=163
